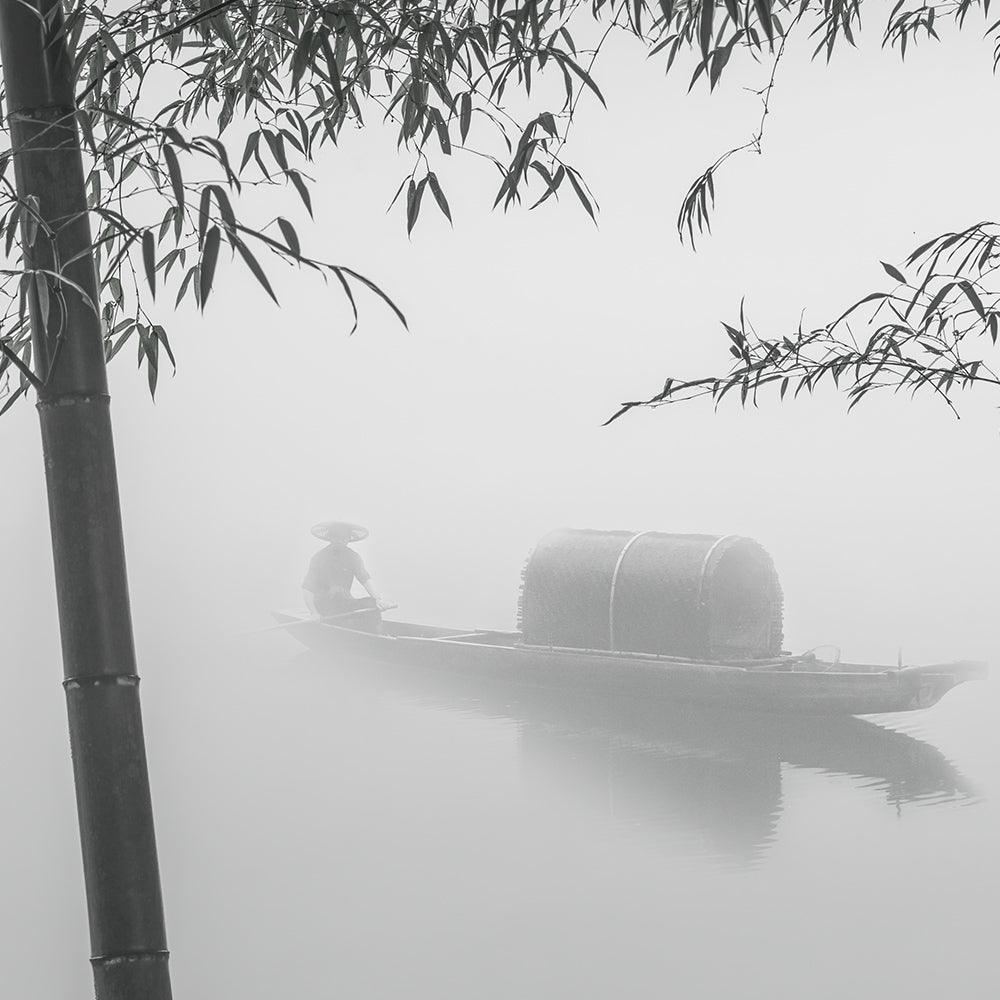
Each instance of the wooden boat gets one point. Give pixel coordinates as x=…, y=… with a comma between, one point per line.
x=671, y=619
x=780, y=684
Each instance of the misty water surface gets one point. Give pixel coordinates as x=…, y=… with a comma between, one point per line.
x=385, y=833
x=356, y=831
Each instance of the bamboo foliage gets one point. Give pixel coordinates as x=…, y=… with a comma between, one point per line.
x=260, y=87
x=933, y=331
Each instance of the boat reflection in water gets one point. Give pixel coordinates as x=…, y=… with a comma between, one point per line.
x=709, y=781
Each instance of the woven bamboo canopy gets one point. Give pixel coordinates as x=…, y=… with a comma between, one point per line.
x=701, y=596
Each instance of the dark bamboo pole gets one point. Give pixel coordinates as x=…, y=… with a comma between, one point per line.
x=128, y=939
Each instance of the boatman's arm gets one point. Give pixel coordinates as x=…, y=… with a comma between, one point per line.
x=364, y=578
x=373, y=593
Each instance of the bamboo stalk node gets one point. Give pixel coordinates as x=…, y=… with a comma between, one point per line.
x=130, y=957
x=44, y=112
x=96, y=680
x=72, y=399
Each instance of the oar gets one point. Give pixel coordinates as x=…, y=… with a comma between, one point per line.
x=319, y=621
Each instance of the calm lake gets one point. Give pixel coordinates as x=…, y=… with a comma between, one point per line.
x=363, y=832
x=343, y=830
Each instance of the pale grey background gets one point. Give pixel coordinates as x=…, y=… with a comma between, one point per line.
x=326, y=840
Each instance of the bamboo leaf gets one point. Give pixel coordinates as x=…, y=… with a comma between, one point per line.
x=300, y=185
x=124, y=328
x=191, y=273
x=439, y=195
x=443, y=138
x=225, y=207
x=161, y=336
x=32, y=209
x=42, y=292
x=921, y=250
x=893, y=272
x=763, y=8
x=251, y=149
x=350, y=297
x=209, y=258
x=58, y=280
x=705, y=26
x=204, y=213
x=414, y=193
x=150, y=349
x=973, y=297
x=149, y=259
x=580, y=193
x=720, y=59
x=378, y=291
x=13, y=223
x=938, y=299
x=251, y=262
x=277, y=145
x=291, y=237
x=399, y=191
x=872, y=297
x=176, y=181
x=585, y=76
x=553, y=183
x=465, y=115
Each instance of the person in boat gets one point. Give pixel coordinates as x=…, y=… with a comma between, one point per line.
x=333, y=570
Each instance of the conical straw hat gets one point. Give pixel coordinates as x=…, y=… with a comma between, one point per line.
x=345, y=530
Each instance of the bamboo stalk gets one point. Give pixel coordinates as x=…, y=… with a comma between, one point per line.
x=128, y=939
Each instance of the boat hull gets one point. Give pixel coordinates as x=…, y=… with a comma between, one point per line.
x=780, y=686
